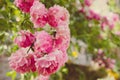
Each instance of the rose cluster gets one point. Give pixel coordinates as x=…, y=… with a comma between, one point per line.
x=104, y=61
x=41, y=51
x=99, y=10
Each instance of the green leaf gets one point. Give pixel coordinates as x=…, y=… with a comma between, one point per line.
x=4, y=14
x=3, y=25
x=11, y=74
x=2, y=35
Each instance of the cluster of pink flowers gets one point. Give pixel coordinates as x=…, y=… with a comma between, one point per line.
x=103, y=61
x=42, y=52
x=91, y=14
x=108, y=20
x=54, y=16
x=40, y=15
x=88, y=12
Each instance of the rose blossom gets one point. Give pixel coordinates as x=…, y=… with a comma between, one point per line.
x=107, y=23
x=38, y=14
x=91, y=14
x=117, y=33
x=22, y=62
x=24, y=39
x=62, y=38
x=58, y=16
x=104, y=61
x=110, y=20
x=61, y=56
x=44, y=42
x=50, y=63
x=24, y=5
x=88, y=2
x=110, y=63
x=47, y=65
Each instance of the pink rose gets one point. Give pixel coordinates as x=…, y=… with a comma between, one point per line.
x=47, y=65
x=62, y=38
x=24, y=39
x=115, y=17
x=93, y=15
x=44, y=42
x=110, y=63
x=50, y=63
x=58, y=16
x=110, y=20
x=82, y=10
x=61, y=56
x=107, y=23
x=24, y=5
x=38, y=14
x=104, y=61
x=117, y=33
x=100, y=52
x=103, y=25
x=88, y=2
x=22, y=62
x=113, y=21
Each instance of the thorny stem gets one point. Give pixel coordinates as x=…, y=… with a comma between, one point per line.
x=54, y=33
x=31, y=47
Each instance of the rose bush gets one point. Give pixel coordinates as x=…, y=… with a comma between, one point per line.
x=94, y=26
x=48, y=51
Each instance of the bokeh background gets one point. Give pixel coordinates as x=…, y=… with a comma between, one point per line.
x=94, y=52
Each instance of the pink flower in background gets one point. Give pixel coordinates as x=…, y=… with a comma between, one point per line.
x=93, y=15
x=38, y=14
x=104, y=61
x=110, y=20
x=115, y=17
x=88, y=2
x=100, y=52
x=22, y=62
x=41, y=77
x=103, y=25
x=107, y=23
x=44, y=42
x=111, y=25
x=110, y=63
x=47, y=65
x=62, y=38
x=58, y=16
x=24, y=39
x=82, y=10
x=24, y=5
x=117, y=33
